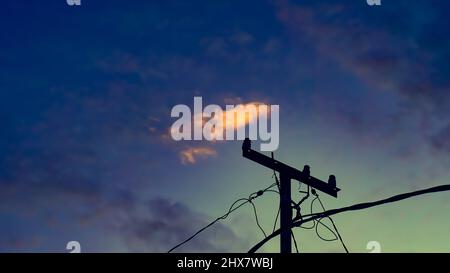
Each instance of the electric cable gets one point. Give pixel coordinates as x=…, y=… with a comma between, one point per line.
x=334, y=226
x=318, y=221
x=295, y=241
x=230, y=210
x=256, y=218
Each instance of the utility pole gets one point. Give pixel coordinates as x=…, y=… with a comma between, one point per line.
x=285, y=213
x=287, y=173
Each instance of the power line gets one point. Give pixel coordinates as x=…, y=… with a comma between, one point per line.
x=355, y=207
x=230, y=210
x=334, y=225
x=256, y=218
x=296, y=205
x=319, y=221
x=279, y=207
x=287, y=174
x=276, y=219
x=295, y=241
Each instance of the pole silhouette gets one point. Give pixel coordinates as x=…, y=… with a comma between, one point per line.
x=287, y=173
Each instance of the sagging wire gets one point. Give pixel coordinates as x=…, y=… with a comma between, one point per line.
x=230, y=210
x=278, y=185
x=295, y=241
x=336, y=234
x=256, y=217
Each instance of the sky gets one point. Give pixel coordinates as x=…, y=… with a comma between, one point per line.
x=86, y=94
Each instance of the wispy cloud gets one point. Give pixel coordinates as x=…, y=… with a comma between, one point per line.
x=236, y=119
x=163, y=224
x=190, y=155
x=390, y=55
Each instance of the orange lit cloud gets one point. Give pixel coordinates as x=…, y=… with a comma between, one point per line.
x=191, y=154
x=240, y=116
x=237, y=118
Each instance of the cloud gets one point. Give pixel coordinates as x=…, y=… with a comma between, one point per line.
x=233, y=47
x=19, y=243
x=163, y=224
x=239, y=117
x=126, y=224
x=156, y=225
x=190, y=155
x=441, y=140
x=391, y=50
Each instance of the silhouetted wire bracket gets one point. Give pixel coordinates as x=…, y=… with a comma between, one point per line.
x=287, y=173
x=293, y=173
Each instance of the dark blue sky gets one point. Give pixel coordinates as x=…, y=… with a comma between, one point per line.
x=86, y=93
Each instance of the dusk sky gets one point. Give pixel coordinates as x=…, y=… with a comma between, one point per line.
x=86, y=94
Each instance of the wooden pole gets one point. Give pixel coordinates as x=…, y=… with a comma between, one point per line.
x=285, y=213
